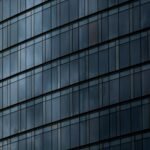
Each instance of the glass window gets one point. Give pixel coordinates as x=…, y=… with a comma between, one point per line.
x=6, y=125
x=74, y=135
x=1, y=38
x=112, y=2
x=104, y=126
x=6, y=9
x=55, y=46
x=93, y=97
x=22, y=144
x=65, y=41
x=114, y=91
x=38, y=23
x=39, y=114
x=47, y=141
x=30, y=117
x=94, y=130
x=114, y=124
x=136, y=120
x=125, y=120
x=125, y=88
x=14, y=62
x=5, y=96
x=37, y=2
x=103, y=4
x=38, y=53
x=38, y=142
x=29, y=87
x=64, y=13
x=64, y=74
x=22, y=89
x=84, y=102
x=105, y=29
x=22, y=59
x=55, y=109
x=93, y=65
x=137, y=90
x=146, y=143
x=92, y=6
x=145, y=11
x=13, y=7
x=14, y=146
x=113, y=26
x=146, y=116
x=14, y=92
x=22, y=5
x=14, y=122
x=135, y=51
x=93, y=33
x=83, y=64
x=65, y=137
x=65, y=106
x=73, y=12
x=54, y=139
x=145, y=82
x=54, y=16
x=74, y=71
x=29, y=3
x=84, y=135
x=83, y=36
x=6, y=66
x=136, y=18
x=48, y=111
x=21, y=30
x=29, y=56
x=1, y=10
x=75, y=40
x=28, y=27
x=144, y=48
x=112, y=59
x=38, y=84
x=46, y=19
x=5, y=37
x=55, y=79
x=47, y=81
x=48, y=48
x=103, y=61
x=124, y=55
x=13, y=33
x=105, y=93
x=23, y=119
x=124, y=22
x=75, y=103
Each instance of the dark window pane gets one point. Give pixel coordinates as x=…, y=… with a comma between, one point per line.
x=21, y=30
x=38, y=23
x=146, y=116
x=38, y=142
x=93, y=33
x=6, y=125
x=30, y=117
x=124, y=55
x=14, y=92
x=125, y=88
x=46, y=19
x=48, y=111
x=146, y=82
x=136, y=18
x=105, y=93
x=105, y=29
x=13, y=7
x=124, y=22
x=137, y=85
x=55, y=47
x=64, y=74
x=65, y=138
x=22, y=89
x=92, y=6
x=47, y=81
x=38, y=84
x=29, y=56
x=75, y=103
x=64, y=14
x=55, y=109
x=14, y=122
x=55, y=80
x=39, y=114
x=14, y=62
x=112, y=59
x=74, y=135
x=47, y=141
x=74, y=9
x=38, y=53
x=14, y=33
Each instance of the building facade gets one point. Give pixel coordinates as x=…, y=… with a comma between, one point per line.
x=74, y=74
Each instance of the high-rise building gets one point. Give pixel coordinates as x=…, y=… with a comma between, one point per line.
x=74, y=74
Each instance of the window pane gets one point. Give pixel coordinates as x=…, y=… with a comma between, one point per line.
x=112, y=59
x=55, y=46
x=74, y=135
x=13, y=33
x=105, y=29
x=48, y=111
x=6, y=125
x=14, y=62
x=55, y=109
x=38, y=84
x=38, y=23
x=64, y=15
x=124, y=22
x=14, y=92
x=74, y=71
x=64, y=74
x=14, y=7
x=29, y=56
x=125, y=88
x=146, y=116
x=46, y=81
x=124, y=55
x=38, y=53
x=48, y=49
x=55, y=80
x=83, y=37
x=47, y=141
x=65, y=106
x=92, y=6
x=39, y=114
x=23, y=119
x=38, y=142
x=146, y=82
x=21, y=30
x=93, y=97
x=6, y=9
x=14, y=123
x=65, y=138
x=28, y=27
x=46, y=19
x=22, y=59
x=6, y=66
x=74, y=6
x=75, y=103
x=145, y=11
x=30, y=117
x=93, y=65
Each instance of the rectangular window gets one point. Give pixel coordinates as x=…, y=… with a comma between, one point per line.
x=92, y=6
x=55, y=80
x=38, y=23
x=64, y=74
x=55, y=109
x=29, y=56
x=38, y=53
x=14, y=62
x=48, y=111
x=105, y=29
x=39, y=114
x=38, y=84
x=21, y=30
x=14, y=122
x=47, y=82
x=14, y=92
x=30, y=117
x=74, y=135
x=146, y=82
x=65, y=137
x=47, y=141
x=13, y=7
x=74, y=9
x=14, y=33
x=6, y=125
x=46, y=19
x=6, y=9
x=55, y=46
x=6, y=66
x=28, y=27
